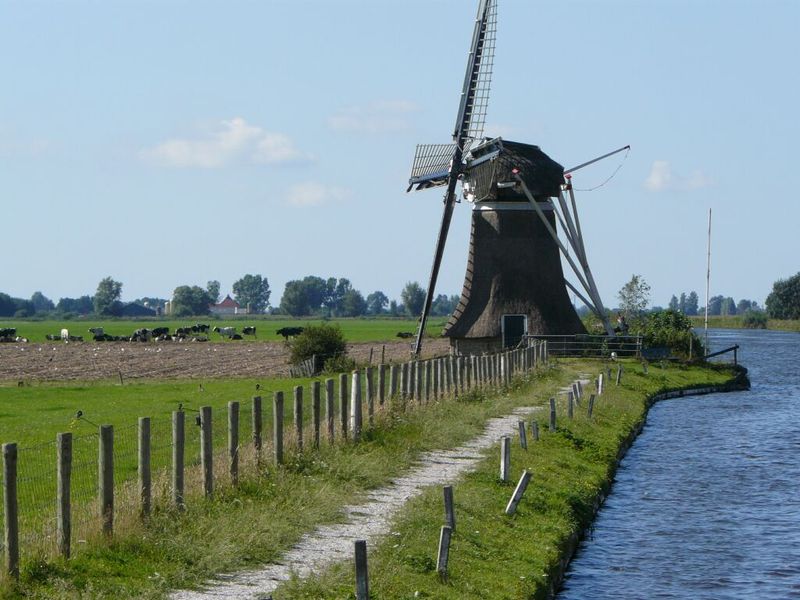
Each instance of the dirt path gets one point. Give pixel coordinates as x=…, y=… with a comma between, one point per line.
x=333, y=543
x=92, y=361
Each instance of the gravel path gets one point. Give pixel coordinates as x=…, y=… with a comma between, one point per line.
x=334, y=543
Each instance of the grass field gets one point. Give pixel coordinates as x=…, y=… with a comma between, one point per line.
x=270, y=510
x=355, y=330
x=735, y=322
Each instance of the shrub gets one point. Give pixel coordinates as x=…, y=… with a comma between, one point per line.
x=753, y=319
x=672, y=329
x=325, y=341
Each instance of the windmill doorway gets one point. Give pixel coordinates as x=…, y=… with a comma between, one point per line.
x=514, y=327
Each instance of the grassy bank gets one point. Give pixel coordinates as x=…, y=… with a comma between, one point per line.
x=735, y=322
x=355, y=330
x=271, y=509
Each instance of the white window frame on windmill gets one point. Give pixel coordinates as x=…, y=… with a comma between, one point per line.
x=503, y=327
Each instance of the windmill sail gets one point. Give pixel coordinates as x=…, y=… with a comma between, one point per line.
x=470, y=122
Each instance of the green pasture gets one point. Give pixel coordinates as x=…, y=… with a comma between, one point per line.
x=736, y=322
x=355, y=330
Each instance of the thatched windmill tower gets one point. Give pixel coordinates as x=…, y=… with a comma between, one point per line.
x=514, y=285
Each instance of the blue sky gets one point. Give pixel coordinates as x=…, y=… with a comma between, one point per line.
x=170, y=143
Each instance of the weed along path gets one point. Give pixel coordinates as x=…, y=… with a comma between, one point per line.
x=333, y=543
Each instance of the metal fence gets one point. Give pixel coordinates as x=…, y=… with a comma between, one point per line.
x=590, y=346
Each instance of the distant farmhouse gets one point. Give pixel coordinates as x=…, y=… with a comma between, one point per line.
x=228, y=306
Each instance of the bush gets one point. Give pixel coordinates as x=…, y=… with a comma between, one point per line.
x=324, y=341
x=754, y=320
x=672, y=329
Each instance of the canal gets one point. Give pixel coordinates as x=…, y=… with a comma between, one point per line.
x=706, y=504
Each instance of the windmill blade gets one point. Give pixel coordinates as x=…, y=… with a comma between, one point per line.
x=431, y=166
x=469, y=127
x=478, y=78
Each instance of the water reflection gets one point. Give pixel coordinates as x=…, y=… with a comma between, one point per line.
x=706, y=504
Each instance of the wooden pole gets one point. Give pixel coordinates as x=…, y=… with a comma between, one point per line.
x=428, y=374
x=362, y=575
x=257, y=427
x=569, y=404
x=355, y=407
x=619, y=374
x=277, y=427
x=370, y=397
x=505, y=457
x=444, y=552
x=600, y=382
x=298, y=416
x=315, y=411
x=145, y=480
x=330, y=403
x=449, y=509
x=178, y=442
x=63, y=494
x=523, y=437
x=552, y=414
x=381, y=384
x=10, y=511
x=392, y=381
x=535, y=430
x=206, y=451
x=591, y=405
x=522, y=485
x=233, y=442
x=343, y=412
x=105, y=479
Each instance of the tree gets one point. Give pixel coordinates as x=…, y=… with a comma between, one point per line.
x=377, y=303
x=394, y=309
x=715, y=305
x=692, y=302
x=413, y=297
x=106, y=298
x=634, y=297
x=352, y=304
x=728, y=306
x=82, y=306
x=295, y=299
x=42, y=303
x=189, y=301
x=674, y=304
x=252, y=291
x=682, y=303
x=7, y=305
x=443, y=305
x=212, y=287
x=783, y=301
x=326, y=342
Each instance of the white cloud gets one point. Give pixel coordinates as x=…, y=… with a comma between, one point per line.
x=661, y=178
x=384, y=116
x=229, y=142
x=315, y=194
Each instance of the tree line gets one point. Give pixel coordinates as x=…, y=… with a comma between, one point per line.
x=310, y=296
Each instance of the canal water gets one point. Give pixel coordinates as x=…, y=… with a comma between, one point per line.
x=706, y=504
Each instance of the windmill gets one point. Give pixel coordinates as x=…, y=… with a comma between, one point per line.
x=514, y=284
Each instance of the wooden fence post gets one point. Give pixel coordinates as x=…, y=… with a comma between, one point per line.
x=362, y=576
x=570, y=397
x=552, y=414
x=355, y=406
x=10, y=511
x=145, y=480
x=370, y=397
x=591, y=405
x=381, y=384
x=206, y=451
x=178, y=442
x=257, y=426
x=404, y=377
x=511, y=508
x=419, y=380
x=298, y=416
x=435, y=376
x=330, y=405
x=105, y=478
x=523, y=437
x=535, y=430
x=428, y=373
x=443, y=556
x=315, y=411
x=449, y=509
x=343, y=412
x=505, y=457
x=63, y=494
x=600, y=381
x=576, y=393
x=233, y=442
x=619, y=374
x=277, y=427
x=392, y=381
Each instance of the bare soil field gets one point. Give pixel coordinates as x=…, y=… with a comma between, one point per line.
x=92, y=361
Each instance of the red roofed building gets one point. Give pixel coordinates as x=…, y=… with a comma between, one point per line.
x=228, y=306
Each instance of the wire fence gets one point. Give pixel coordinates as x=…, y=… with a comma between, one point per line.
x=53, y=517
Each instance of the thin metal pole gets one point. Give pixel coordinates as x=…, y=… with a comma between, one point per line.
x=708, y=278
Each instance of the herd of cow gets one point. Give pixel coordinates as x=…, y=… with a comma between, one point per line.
x=198, y=332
